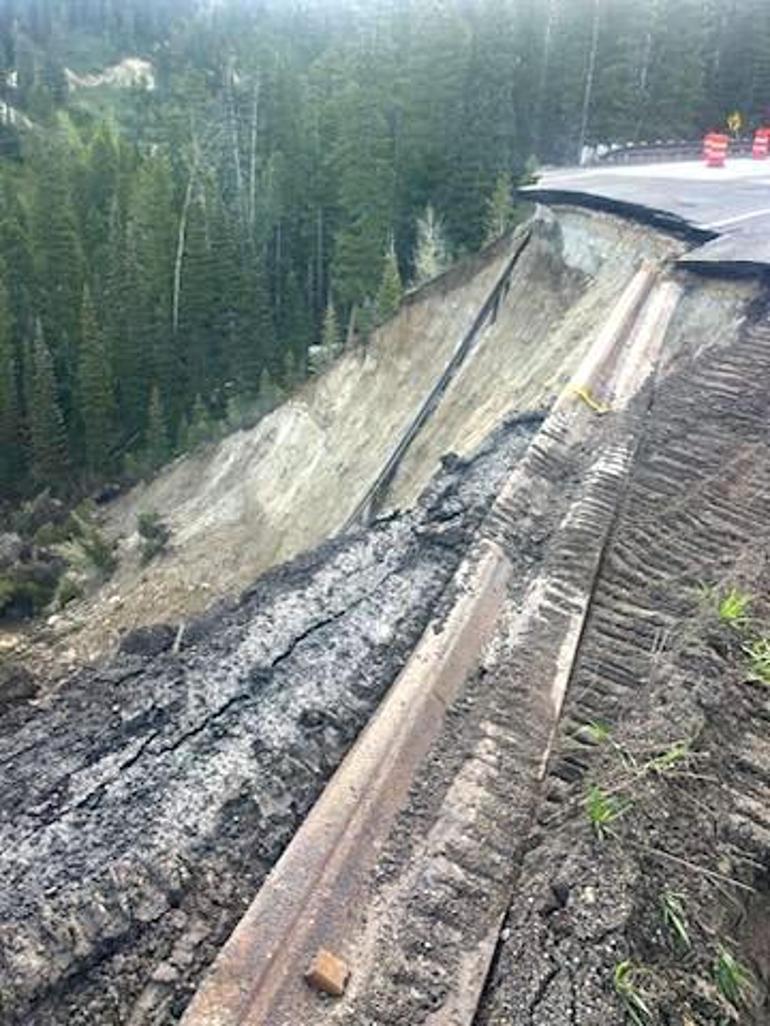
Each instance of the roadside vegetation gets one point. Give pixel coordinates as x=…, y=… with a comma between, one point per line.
x=641, y=800
x=51, y=556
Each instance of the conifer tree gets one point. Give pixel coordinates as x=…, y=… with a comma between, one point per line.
x=156, y=444
x=48, y=438
x=58, y=257
x=18, y=270
x=391, y=289
x=201, y=427
x=95, y=394
x=330, y=337
x=296, y=329
x=197, y=338
x=431, y=257
x=361, y=161
x=263, y=325
x=129, y=327
x=500, y=211
x=11, y=452
x=152, y=229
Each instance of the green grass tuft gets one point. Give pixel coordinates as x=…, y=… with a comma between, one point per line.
x=758, y=653
x=733, y=979
x=733, y=608
x=626, y=987
x=671, y=758
x=675, y=917
x=603, y=809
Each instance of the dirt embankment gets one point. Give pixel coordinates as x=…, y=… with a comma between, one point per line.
x=263, y=496
x=649, y=868
x=144, y=803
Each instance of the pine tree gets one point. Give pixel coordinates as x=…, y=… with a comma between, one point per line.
x=391, y=289
x=18, y=273
x=198, y=351
x=330, y=336
x=262, y=326
x=201, y=427
x=11, y=450
x=500, y=210
x=48, y=437
x=431, y=257
x=296, y=328
x=362, y=163
x=58, y=259
x=156, y=444
x=248, y=330
x=152, y=247
x=95, y=394
x=128, y=328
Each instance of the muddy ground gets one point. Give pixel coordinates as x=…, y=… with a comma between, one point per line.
x=664, y=737
x=144, y=801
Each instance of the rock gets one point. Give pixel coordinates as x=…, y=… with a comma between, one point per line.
x=11, y=548
x=17, y=685
x=328, y=973
x=148, y=641
x=108, y=493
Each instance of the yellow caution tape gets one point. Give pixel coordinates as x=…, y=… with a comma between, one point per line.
x=582, y=393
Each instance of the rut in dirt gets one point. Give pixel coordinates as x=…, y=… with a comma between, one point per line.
x=657, y=670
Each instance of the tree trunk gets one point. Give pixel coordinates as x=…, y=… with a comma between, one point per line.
x=544, y=69
x=180, y=245
x=589, y=84
x=253, y=160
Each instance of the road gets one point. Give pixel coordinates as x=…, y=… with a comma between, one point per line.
x=726, y=210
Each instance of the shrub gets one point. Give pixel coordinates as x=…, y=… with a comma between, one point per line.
x=155, y=535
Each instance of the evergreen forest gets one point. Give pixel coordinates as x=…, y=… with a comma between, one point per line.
x=197, y=197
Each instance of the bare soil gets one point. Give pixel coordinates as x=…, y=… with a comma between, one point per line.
x=662, y=719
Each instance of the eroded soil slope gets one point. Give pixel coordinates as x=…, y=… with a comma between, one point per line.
x=660, y=790
x=263, y=496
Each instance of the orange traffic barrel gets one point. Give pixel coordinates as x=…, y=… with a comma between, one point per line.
x=715, y=147
x=761, y=147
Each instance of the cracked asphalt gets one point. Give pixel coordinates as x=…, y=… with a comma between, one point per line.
x=145, y=800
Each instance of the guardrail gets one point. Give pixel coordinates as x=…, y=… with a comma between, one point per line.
x=644, y=152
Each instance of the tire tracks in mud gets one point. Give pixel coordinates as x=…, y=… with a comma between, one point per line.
x=696, y=513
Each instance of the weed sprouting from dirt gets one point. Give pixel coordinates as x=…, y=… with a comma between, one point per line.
x=671, y=759
x=625, y=980
x=603, y=809
x=733, y=979
x=598, y=732
x=675, y=916
x=732, y=607
x=758, y=653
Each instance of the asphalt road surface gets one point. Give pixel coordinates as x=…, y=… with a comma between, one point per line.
x=727, y=208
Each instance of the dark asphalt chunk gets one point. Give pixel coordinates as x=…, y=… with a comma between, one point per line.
x=141, y=808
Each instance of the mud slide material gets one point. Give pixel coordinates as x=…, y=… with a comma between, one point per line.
x=372, y=500
x=315, y=891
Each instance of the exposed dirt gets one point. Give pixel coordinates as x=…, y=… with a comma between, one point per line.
x=262, y=496
x=143, y=802
x=662, y=720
